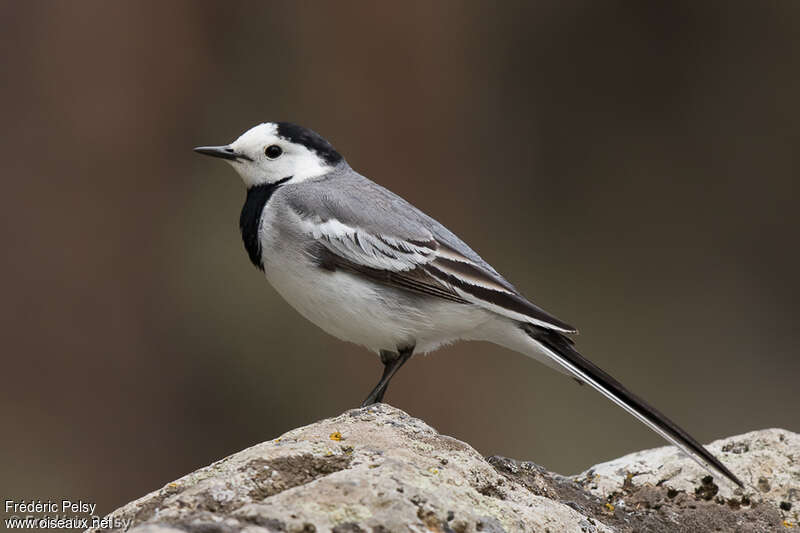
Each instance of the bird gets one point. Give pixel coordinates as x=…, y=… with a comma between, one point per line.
x=368, y=267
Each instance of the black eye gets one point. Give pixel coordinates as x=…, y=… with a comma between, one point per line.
x=273, y=151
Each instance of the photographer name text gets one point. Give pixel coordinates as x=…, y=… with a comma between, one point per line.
x=49, y=506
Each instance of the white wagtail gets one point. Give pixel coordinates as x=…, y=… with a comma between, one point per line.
x=368, y=267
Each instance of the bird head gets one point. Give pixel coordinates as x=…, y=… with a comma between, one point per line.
x=274, y=151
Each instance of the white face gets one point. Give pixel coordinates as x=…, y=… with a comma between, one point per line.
x=264, y=157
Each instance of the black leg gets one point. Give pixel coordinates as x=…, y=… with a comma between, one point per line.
x=391, y=364
x=376, y=396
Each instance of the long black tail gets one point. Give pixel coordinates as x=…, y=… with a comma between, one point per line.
x=561, y=350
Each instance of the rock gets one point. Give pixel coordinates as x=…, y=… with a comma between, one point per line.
x=378, y=470
x=766, y=461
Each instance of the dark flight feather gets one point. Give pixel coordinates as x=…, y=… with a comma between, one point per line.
x=415, y=280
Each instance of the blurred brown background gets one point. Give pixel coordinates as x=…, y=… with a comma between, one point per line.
x=630, y=166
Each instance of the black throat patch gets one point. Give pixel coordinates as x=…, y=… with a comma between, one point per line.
x=250, y=218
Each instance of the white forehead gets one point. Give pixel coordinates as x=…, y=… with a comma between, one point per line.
x=256, y=137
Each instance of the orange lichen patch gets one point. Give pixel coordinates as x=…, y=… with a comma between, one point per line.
x=336, y=436
x=610, y=507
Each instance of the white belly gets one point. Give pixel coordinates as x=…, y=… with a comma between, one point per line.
x=375, y=316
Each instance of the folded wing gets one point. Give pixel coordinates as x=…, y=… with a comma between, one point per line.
x=421, y=264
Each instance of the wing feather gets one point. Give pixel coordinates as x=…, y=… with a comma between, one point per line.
x=421, y=264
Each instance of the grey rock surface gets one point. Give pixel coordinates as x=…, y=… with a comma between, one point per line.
x=378, y=470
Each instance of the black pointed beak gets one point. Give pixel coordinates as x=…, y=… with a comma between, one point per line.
x=225, y=152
